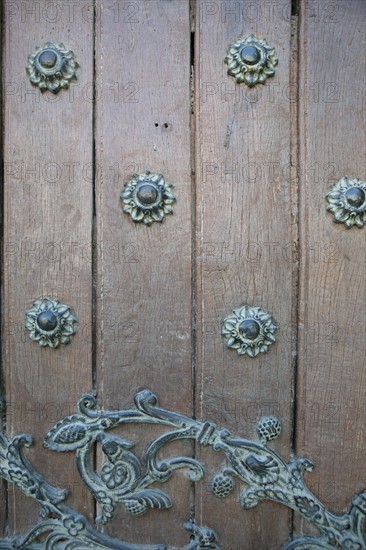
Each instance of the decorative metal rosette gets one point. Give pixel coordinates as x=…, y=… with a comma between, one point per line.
x=347, y=202
x=249, y=330
x=52, y=67
x=50, y=322
x=147, y=198
x=251, y=60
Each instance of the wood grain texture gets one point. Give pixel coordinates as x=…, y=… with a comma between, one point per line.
x=331, y=394
x=249, y=227
x=47, y=229
x=144, y=273
x=3, y=487
x=245, y=196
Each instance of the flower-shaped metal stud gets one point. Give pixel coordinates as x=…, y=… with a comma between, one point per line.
x=347, y=202
x=249, y=330
x=251, y=60
x=52, y=67
x=50, y=322
x=147, y=198
x=268, y=428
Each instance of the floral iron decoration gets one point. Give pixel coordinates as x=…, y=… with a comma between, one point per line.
x=52, y=67
x=50, y=322
x=251, y=60
x=126, y=479
x=147, y=198
x=347, y=202
x=249, y=330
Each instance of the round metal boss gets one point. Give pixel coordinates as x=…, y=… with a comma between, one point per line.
x=50, y=322
x=249, y=330
x=147, y=198
x=251, y=60
x=347, y=202
x=52, y=67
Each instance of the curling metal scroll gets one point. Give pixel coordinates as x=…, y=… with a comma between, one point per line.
x=126, y=480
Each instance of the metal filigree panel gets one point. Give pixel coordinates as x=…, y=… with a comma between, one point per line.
x=124, y=479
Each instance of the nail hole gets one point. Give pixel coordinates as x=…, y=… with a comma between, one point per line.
x=156, y=125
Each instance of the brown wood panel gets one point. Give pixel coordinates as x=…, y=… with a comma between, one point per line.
x=48, y=195
x=245, y=197
x=331, y=394
x=144, y=273
x=3, y=489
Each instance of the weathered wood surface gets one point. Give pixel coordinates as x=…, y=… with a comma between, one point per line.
x=245, y=198
x=3, y=488
x=161, y=292
x=331, y=393
x=48, y=193
x=144, y=273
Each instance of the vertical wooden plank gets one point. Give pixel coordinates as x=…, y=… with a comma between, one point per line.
x=331, y=393
x=3, y=491
x=47, y=229
x=245, y=195
x=144, y=273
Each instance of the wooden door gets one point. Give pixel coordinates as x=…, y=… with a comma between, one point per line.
x=167, y=447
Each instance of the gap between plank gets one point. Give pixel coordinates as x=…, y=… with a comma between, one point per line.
x=94, y=236
x=295, y=206
x=192, y=14
x=3, y=483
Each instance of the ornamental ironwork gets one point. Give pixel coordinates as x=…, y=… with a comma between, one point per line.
x=125, y=479
x=249, y=330
x=347, y=202
x=147, y=198
x=251, y=60
x=50, y=322
x=52, y=67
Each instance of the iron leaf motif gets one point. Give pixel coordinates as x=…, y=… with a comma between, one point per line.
x=124, y=478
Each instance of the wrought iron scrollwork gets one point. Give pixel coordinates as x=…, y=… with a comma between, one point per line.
x=124, y=478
